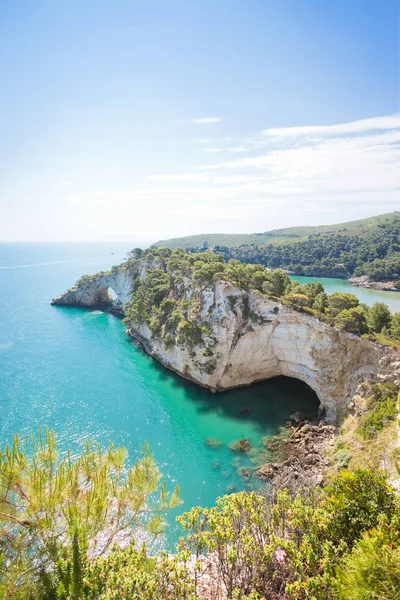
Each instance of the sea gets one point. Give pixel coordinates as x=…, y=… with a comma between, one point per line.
x=77, y=372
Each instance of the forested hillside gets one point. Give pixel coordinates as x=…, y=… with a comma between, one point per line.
x=368, y=247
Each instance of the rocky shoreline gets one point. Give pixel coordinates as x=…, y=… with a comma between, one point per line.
x=304, y=457
x=382, y=286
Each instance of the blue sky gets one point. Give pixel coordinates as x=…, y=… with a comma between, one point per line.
x=131, y=120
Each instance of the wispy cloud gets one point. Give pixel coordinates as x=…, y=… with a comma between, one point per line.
x=364, y=125
x=233, y=149
x=237, y=149
x=299, y=175
x=203, y=141
x=205, y=120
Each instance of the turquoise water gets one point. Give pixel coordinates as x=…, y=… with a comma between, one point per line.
x=76, y=371
x=365, y=296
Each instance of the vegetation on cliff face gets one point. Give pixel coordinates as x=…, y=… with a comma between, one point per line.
x=369, y=434
x=169, y=298
x=59, y=519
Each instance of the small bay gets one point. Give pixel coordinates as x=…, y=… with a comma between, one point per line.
x=78, y=373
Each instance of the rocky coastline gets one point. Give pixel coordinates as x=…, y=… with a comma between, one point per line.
x=247, y=338
x=382, y=286
x=304, y=457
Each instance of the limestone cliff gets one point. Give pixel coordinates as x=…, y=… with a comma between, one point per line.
x=244, y=337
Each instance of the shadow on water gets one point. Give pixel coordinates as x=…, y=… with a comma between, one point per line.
x=259, y=403
x=263, y=403
x=193, y=432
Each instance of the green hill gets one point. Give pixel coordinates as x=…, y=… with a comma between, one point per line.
x=369, y=247
x=277, y=236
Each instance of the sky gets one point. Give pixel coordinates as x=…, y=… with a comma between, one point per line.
x=127, y=120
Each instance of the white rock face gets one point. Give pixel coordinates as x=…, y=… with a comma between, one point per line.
x=253, y=338
x=96, y=292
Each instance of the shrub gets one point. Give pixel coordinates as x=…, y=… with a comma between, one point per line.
x=352, y=320
x=356, y=501
x=91, y=500
x=381, y=409
x=133, y=574
x=372, y=569
x=208, y=352
x=379, y=316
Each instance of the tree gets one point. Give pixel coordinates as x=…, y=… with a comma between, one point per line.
x=372, y=569
x=339, y=301
x=353, y=320
x=320, y=302
x=297, y=300
x=55, y=513
x=280, y=281
x=136, y=252
x=395, y=326
x=312, y=290
x=379, y=316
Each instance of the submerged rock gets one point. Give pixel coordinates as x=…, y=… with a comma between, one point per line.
x=240, y=446
x=303, y=458
x=212, y=442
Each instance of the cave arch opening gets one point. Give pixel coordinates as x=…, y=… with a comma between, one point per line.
x=298, y=394
x=268, y=403
x=113, y=294
x=105, y=296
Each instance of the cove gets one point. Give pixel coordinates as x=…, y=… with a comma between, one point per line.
x=365, y=295
x=77, y=372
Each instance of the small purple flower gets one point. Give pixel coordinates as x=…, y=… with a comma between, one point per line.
x=280, y=554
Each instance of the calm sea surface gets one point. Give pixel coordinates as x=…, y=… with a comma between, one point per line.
x=77, y=372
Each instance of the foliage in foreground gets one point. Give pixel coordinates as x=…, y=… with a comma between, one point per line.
x=56, y=513
x=60, y=521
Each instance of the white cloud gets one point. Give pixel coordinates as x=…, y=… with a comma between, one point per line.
x=312, y=176
x=203, y=141
x=234, y=149
x=364, y=125
x=179, y=177
x=205, y=120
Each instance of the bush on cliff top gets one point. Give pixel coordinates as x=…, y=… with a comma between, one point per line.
x=155, y=298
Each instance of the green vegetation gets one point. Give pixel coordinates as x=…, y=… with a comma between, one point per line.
x=368, y=436
x=56, y=513
x=368, y=247
x=169, y=300
x=87, y=279
x=381, y=410
x=62, y=519
x=275, y=235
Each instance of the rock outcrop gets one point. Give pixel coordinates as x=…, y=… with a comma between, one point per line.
x=304, y=458
x=249, y=337
x=365, y=282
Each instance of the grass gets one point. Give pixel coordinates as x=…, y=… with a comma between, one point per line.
x=382, y=339
x=368, y=438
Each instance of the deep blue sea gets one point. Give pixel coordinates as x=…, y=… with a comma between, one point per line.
x=77, y=371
